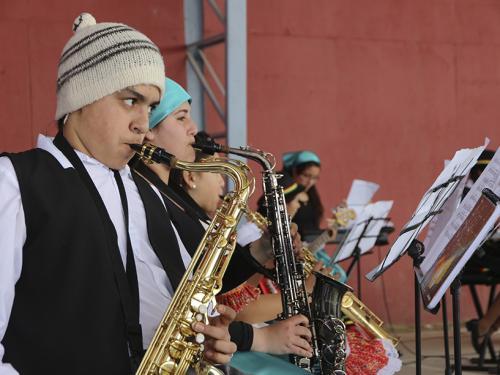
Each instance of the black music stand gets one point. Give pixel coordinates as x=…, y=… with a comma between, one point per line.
x=430, y=205
x=448, y=260
x=357, y=252
x=356, y=255
x=415, y=251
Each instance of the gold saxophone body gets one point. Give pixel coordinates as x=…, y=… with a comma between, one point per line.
x=175, y=346
x=357, y=311
x=260, y=221
x=309, y=261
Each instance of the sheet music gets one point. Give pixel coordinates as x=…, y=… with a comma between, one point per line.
x=377, y=211
x=490, y=178
x=361, y=194
x=438, y=222
x=456, y=254
x=430, y=204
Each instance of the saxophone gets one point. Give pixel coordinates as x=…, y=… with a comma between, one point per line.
x=308, y=258
x=350, y=305
x=329, y=348
x=356, y=310
x=175, y=346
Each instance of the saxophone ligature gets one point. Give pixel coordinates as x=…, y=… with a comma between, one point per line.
x=175, y=346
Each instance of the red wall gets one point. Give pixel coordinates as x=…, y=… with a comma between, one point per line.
x=381, y=90
x=32, y=36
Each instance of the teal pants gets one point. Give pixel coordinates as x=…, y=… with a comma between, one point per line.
x=255, y=363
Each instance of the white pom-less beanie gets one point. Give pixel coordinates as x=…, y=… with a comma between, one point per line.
x=102, y=58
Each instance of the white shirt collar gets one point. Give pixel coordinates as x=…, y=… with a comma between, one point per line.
x=47, y=143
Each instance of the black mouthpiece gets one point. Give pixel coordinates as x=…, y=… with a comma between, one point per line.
x=150, y=153
x=207, y=145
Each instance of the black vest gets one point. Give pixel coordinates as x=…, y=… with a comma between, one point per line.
x=66, y=316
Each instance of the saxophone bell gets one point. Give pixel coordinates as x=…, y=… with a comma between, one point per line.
x=327, y=296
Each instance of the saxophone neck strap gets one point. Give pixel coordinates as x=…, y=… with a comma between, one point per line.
x=126, y=283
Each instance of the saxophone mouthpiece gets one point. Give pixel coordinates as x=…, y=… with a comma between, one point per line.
x=136, y=147
x=150, y=154
x=208, y=145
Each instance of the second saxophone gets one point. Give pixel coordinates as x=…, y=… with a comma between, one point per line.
x=175, y=346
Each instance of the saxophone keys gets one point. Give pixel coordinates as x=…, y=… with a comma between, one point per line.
x=223, y=243
x=347, y=301
x=229, y=221
x=175, y=350
x=199, y=338
x=202, y=309
x=167, y=368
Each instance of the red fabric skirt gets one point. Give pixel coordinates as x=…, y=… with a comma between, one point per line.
x=369, y=356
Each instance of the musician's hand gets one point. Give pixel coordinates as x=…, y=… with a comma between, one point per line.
x=218, y=345
x=294, y=205
x=297, y=242
x=331, y=223
x=289, y=336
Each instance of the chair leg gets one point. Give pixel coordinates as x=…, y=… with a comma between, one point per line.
x=491, y=349
x=479, y=363
x=491, y=299
x=475, y=299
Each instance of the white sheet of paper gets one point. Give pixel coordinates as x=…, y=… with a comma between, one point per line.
x=361, y=192
x=378, y=210
x=432, y=201
x=247, y=233
x=438, y=222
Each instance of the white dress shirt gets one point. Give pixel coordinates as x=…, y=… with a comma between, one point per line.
x=155, y=289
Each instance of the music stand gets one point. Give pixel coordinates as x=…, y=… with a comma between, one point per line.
x=365, y=230
x=356, y=256
x=429, y=206
x=444, y=272
x=454, y=245
x=363, y=236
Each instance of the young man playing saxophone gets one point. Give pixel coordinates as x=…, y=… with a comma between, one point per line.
x=79, y=274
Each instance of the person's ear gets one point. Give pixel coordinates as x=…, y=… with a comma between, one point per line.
x=189, y=179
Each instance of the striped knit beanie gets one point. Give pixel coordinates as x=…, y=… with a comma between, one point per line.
x=102, y=58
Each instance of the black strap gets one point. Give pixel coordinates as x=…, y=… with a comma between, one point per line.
x=166, y=191
x=131, y=270
x=160, y=232
x=129, y=295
